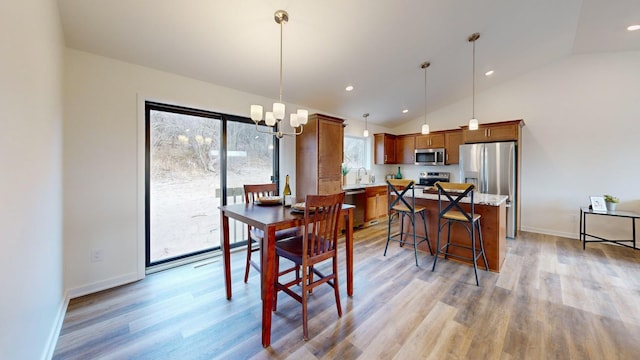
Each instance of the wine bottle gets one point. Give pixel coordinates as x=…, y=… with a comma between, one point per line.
x=287, y=192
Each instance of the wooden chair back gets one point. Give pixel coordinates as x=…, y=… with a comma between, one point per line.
x=321, y=215
x=255, y=191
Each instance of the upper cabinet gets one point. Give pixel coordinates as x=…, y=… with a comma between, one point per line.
x=319, y=153
x=452, y=142
x=400, y=149
x=489, y=132
x=405, y=149
x=434, y=140
x=384, y=149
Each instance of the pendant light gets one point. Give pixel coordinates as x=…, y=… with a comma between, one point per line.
x=365, y=133
x=473, y=123
x=425, y=126
x=274, y=118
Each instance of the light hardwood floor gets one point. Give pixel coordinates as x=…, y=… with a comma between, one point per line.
x=552, y=300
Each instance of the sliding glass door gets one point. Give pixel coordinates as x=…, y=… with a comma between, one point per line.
x=186, y=150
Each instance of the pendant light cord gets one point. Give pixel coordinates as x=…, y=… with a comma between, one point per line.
x=473, y=97
x=425, y=95
x=281, y=25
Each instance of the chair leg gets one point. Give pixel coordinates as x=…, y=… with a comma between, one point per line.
x=426, y=234
x=401, y=218
x=305, y=297
x=248, y=265
x=446, y=250
x=484, y=257
x=275, y=287
x=435, y=258
x=415, y=237
x=388, y=234
x=473, y=251
x=336, y=287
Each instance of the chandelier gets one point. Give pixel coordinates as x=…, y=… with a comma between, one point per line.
x=273, y=119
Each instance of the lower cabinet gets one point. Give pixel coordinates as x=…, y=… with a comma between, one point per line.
x=377, y=203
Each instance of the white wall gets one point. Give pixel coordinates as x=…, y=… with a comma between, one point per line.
x=582, y=118
x=103, y=149
x=31, y=182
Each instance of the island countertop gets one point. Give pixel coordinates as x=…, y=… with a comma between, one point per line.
x=478, y=198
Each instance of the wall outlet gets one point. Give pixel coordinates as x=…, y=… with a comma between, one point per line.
x=96, y=255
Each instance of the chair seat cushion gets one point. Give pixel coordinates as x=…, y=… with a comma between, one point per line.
x=458, y=216
x=258, y=234
x=292, y=248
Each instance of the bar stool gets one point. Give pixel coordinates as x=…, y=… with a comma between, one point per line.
x=470, y=220
x=402, y=204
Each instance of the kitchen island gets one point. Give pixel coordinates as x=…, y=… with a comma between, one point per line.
x=492, y=208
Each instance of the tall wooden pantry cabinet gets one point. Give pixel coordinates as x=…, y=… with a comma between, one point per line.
x=319, y=154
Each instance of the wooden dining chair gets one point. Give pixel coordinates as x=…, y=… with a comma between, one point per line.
x=251, y=194
x=317, y=244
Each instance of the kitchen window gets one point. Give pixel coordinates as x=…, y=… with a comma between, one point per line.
x=356, y=152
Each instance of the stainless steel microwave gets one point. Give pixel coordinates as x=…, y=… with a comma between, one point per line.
x=429, y=157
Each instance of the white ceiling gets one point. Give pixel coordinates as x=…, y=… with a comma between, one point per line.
x=377, y=46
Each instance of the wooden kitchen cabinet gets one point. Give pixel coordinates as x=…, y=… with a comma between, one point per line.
x=384, y=149
x=435, y=140
x=319, y=154
x=377, y=203
x=405, y=149
x=489, y=132
x=452, y=142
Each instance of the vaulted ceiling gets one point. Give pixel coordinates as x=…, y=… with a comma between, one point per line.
x=376, y=46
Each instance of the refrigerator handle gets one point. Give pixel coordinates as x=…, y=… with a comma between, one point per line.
x=485, y=171
x=512, y=167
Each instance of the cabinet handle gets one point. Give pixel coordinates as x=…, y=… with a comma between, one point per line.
x=385, y=157
x=489, y=130
x=447, y=157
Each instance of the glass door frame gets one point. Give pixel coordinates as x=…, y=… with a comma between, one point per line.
x=224, y=119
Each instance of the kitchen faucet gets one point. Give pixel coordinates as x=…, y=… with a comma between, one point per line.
x=358, y=177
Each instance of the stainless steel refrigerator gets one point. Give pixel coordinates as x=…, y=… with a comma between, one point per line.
x=492, y=168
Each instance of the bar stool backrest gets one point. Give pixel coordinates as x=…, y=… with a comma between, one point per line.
x=459, y=191
x=398, y=188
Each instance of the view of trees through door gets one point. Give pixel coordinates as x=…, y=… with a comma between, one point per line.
x=185, y=177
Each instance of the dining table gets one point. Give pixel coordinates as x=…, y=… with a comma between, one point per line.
x=271, y=219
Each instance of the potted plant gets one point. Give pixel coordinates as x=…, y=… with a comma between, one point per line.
x=345, y=171
x=611, y=202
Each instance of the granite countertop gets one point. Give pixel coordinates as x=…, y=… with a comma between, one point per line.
x=478, y=198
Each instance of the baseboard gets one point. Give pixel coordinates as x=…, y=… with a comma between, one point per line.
x=103, y=285
x=54, y=334
x=550, y=232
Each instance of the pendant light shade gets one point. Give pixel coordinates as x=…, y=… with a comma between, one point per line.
x=365, y=133
x=473, y=123
x=425, y=126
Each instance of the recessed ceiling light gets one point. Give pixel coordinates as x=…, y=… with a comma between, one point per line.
x=405, y=111
x=633, y=27
x=349, y=88
x=489, y=73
